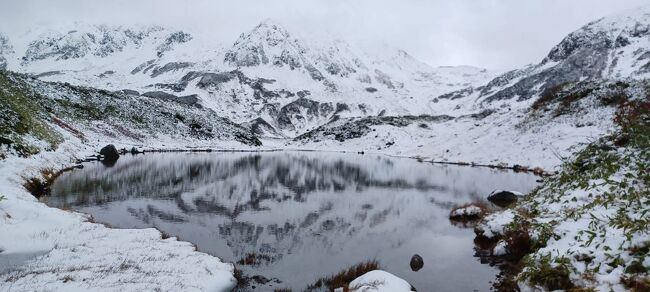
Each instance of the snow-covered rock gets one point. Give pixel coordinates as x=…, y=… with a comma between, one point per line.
x=494, y=224
x=500, y=249
x=467, y=212
x=379, y=281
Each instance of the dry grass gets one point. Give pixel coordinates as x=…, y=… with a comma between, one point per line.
x=39, y=186
x=254, y=259
x=343, y=278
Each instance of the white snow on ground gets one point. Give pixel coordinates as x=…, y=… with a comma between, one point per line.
x=494, y=224
x=47, y=249
x=590, y=222
x=508, y=136
x=379, y=281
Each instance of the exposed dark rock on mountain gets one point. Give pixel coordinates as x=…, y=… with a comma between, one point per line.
x=187, y=100
x=262, y=128
x=350, y=128
x=169, y=67
x=174, y=38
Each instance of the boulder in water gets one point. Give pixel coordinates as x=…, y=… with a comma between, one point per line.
x=110, y=154
x=504, y=198
x=416, y=262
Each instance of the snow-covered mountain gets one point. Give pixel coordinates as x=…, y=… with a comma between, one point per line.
x=539, y=112
x=267, y=76
x=343, y=96
x=612, y=48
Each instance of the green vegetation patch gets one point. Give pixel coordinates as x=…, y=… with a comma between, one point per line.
x=21, y=116
x=593, y=218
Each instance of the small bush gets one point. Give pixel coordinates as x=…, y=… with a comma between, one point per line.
x=552, y=274
x=242, y=280
x=254, y=259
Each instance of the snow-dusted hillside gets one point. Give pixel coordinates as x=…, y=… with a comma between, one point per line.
x=263, y=72
x=534, y=115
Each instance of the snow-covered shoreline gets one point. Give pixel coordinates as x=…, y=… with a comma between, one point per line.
x=586, y=227
x=57, y=249
x=45, y=248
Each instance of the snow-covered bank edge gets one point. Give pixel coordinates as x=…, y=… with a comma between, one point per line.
x=588, y=226
x=45, y=248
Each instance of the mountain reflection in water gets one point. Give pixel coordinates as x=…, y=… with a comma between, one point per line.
x=304, y=214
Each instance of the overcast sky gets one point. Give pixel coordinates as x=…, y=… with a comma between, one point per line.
x=495, y=34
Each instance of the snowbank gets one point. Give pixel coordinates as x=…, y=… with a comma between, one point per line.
x=379, y=281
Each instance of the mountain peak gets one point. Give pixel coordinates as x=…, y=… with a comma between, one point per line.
x=608, y=33
x=268, y=42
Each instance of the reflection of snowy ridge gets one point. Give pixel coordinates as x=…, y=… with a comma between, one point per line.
x=264, y=70
x=250, y=178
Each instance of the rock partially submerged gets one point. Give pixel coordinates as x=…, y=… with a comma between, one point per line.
x=110, y=154
x=504, y=198
x=416, y=263
x=379, y=281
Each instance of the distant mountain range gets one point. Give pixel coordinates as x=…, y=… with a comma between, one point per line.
x=271, y=83
x=292, y=83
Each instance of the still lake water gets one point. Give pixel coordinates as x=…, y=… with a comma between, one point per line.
x=306, y=214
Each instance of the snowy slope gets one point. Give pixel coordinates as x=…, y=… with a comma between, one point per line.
x=534, y=115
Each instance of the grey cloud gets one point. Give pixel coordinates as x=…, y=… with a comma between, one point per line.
x=487, y=33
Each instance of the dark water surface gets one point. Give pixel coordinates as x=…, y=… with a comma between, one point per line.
x=307, y=214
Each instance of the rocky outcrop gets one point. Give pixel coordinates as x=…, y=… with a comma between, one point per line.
x=92, y=40
x=213, y=80
x=190, y=100
x=301, y=110
x=129, y=92
x=351, y=128
x=169, y=67
x=262, y=128
x=177, y=37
